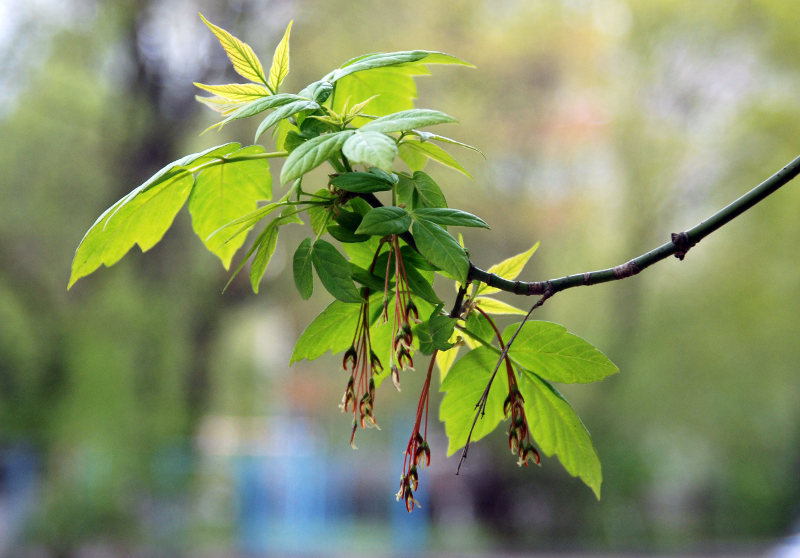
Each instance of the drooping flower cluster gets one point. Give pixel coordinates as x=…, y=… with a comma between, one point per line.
x=404, y=312
x=519, y=435
x=362, y=363
x=418, y=452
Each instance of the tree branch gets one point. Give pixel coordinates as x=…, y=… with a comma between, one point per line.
x=678, y=246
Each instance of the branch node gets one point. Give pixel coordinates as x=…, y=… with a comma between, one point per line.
x=626, y=270
x=587, y=278
x=682, y=244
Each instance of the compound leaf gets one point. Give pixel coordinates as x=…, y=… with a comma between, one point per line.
x=241, y=55
x=285, y=111
x=143, y=215
x=266, y=243
x=419, y=191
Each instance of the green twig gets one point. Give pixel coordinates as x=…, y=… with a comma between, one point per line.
x=678, y=246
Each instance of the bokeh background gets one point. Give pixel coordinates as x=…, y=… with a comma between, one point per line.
x=145, y=414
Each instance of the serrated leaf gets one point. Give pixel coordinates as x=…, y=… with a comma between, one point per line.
x=493, y=306
x=385, y=220
x=236, y=92
x=334, y=272
x=445, y=216
x=282, y=112
x=143, y=215
x=465, y=382
x=361, y=182
x=406, y=120
x=508, y=269
x=311, y=154
x=373, y=149
x=266, y=244
x=557, y=355
x=419, y=191
x=558, y=430
x=223, y=193
x=241, y=55
x=280, y=61
x=441, y=249
x=436, y=153
x=301, y=266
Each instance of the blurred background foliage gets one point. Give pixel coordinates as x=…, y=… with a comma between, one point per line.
x=144, y=412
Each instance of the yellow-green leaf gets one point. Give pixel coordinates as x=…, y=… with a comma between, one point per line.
x=241, y=55
x=508, y=269
x=445, y=359
x=280, y=61
x=218, y=104
x=236, y=92
x=492, y=306
x=223, y=193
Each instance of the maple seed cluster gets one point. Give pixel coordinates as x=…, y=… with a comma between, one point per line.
x=362, y=363
x=519, y=436
x=404, y=312
x=418, y=452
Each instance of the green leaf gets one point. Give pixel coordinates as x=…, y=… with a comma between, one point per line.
x=433, y=151
x=332, y=330
x=554, y=354
x=241, y=55
x=143, y=215
x=557, y=429
x=280, y=61
x=373, y=149
x=493, y=306
x=334, y=272
x=368, y=279
x=419, y=191
x=428, y=136
x=318, y=91
x=282, y=112
x=361, y=182
x=223, y=193
x=301, y=265
x=445, y=216
x=383, y=59
x=420, y=286
x=441, y=249
x=406, y=120
x=414, y=159
x=385, y=220
x=435, y=333
x=479, y=330
x=465, y=382
x=311, y=154
x=266, y=243
x=236, y=92
x=259, y=105
x=508, y=269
